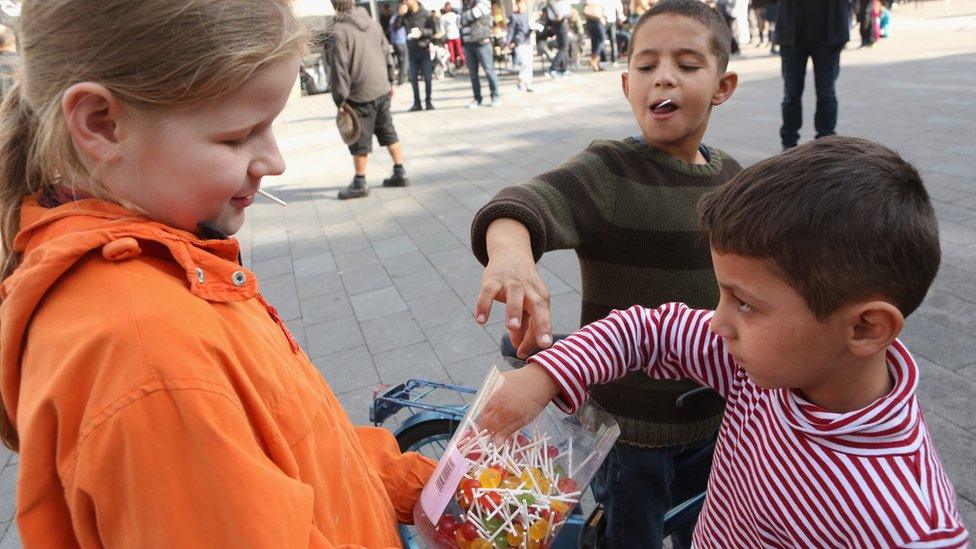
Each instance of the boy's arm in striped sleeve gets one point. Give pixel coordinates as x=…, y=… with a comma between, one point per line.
x=669, y=342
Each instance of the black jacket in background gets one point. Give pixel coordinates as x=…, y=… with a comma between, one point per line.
x=834, y=31
x=423, y=20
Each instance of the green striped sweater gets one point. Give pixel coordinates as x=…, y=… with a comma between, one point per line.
x=628, y=210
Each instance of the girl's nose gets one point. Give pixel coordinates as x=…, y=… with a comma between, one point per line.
x=665, y=77
x=270, y=162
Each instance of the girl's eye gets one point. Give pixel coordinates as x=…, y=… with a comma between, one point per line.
x=236, y=142
x=689, y=68
x=743, y=306
x=646, y=68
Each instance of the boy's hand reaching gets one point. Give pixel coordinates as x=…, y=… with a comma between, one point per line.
x=519, y=400
x=512, y=278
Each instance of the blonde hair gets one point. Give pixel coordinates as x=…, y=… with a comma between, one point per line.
x=151, y=54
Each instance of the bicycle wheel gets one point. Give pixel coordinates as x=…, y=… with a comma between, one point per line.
x=429, y=438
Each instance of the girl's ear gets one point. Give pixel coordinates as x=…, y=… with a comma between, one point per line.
x=625, y=84
x=93, y=113
x=875, y=325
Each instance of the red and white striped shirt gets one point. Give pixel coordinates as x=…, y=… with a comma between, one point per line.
x=786, y=472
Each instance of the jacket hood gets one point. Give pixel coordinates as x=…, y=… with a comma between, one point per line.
x=891, y=425
x=52, y=240
x=357, y=17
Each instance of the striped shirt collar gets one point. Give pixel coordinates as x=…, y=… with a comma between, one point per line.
x=890, y=425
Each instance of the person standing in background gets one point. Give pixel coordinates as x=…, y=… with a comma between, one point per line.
x=519, y=39
x=450, y=26
x=476, y=28
x=398, y=39
x=810, y=30
x=420, y=28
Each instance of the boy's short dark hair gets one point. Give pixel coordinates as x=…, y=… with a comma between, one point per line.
x=843, y=220
x=697, y=10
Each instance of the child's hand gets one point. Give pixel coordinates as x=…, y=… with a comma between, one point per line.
x=516, y=283
x=518, y=401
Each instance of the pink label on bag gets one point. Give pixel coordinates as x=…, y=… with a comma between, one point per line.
x=442, y=484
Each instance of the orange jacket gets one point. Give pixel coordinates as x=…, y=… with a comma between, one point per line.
x=161, y=402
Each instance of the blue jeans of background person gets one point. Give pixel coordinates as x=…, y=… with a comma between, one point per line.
x=826, y=67
x=420, y=62
x=481, y=54
x=611, y=32
x=560, y=61
x=637, y=486
x=598, y=36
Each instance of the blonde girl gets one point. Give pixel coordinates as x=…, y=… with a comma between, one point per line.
x=155, y=397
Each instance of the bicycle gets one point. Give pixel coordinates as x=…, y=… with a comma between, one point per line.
x=429, y=428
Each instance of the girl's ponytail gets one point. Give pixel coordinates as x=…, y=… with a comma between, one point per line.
x=17, y=179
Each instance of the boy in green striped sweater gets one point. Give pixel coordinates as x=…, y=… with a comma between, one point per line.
x=628, y=209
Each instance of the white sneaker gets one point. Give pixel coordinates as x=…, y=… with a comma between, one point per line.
x=474, y=105
x=496, y=102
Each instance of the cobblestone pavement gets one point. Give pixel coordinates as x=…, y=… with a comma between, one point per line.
x=381, y=289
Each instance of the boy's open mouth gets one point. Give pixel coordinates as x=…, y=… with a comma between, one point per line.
x=663, y=106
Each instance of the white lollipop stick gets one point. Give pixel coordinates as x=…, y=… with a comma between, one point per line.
x=270, y=196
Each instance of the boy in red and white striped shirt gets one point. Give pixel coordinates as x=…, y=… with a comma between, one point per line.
x=820, y=254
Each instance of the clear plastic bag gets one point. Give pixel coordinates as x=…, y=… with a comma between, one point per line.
x=517, y=494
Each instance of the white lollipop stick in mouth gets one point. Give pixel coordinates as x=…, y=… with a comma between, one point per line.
x=270, y=196
x=664, y=103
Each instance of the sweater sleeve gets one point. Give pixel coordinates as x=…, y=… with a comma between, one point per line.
x=670, y=342
x=182, y=468
x=561, y=208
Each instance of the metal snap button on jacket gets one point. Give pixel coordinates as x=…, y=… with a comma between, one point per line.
x=239, y=278
x=200, y=276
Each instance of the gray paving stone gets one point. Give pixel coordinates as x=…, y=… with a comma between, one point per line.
x=406, y=264
x=280, y=291
x=471, y=372
x=271, y=268
x=8, y=492
x=416, y=361
x=377, y=303
x=306, y=248
x=439, y=309
x=333, y=336
x=265, y=252
x=318, y=284
x=967, y=510
x=420, y=284
x=394, y=247
x=356, y=403
x=361, y=280
x=949, y=311
x=948, y=393
x=314, y=264
x=359, y=259
x=327, y=307
x=11, y=540
x=957, y=281
x=942, y=345
x=391, y=332
x=348, y=370
x=459, y=340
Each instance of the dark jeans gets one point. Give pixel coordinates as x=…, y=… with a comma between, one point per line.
x=561, y=60
x=826, y=67
x=637, y=486
x=598, y=36
x=420, y=61
x=481, y=54
x=611, y=33
x=403, y=63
